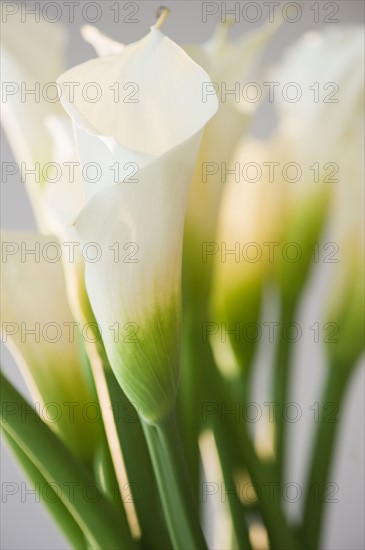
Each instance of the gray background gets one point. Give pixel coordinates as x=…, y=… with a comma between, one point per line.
x=26, y=524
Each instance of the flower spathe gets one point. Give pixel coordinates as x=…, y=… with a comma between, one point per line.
x=134, y=287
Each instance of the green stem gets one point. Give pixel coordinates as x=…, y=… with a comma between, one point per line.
x=322, y=455
x=102, y=526
x=281, y=384
x=139, y=468
x=240, y=387
x=236, y=509
x=174, y=484
x=280, y=535
x=190, y=395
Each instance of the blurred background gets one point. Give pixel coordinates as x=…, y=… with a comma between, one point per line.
x=24, y=523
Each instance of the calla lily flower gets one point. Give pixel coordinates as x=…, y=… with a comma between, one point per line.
x=277, y=211
x=39, y=132
x=249, y=220
x=304, y=136
x=345, y=300
x=229, y=64
x=135, y=295
x=41, y=333
x=26, y=69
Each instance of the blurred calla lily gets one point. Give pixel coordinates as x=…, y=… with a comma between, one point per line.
x=39, y=132
x=29, y=94
x=345, y=301
x=136, y=296
x=40, y=330
x=230, y=64
x=277, y=211
x=249, y=221
x=322, y=150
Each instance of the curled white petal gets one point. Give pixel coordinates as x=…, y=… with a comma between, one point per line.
x=102, y=44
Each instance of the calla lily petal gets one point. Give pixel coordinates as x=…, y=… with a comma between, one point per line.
x=129, y=130
x=102, y=44
x=63, y=198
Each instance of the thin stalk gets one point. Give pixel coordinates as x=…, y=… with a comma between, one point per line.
x=240, y=386
x=281, y=383
x=236, y=509
x=190, y=396
x=144, y=491
x=322, y=456
x=174, y=485
x=280, y=535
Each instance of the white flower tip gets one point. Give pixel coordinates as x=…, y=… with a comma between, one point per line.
x=161, y=15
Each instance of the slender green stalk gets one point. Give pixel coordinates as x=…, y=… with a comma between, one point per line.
x=240, y=386
x=262, y=475
x=54, y=505
x=174, y=484
x=103, y=527
x=281, y=382
x=190, y=395
x=236, y=509
x=322, y=455
x=143, y=486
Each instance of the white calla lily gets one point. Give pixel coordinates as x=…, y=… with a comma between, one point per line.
x=230, y=64
x=39, y=328
x=249, y=222
x=134, y=287
x=305, y=136
x=326, y=68
x=124, y=124
x=39, y=132
x=345, y=300
x=276, y=211
x=304, y=131
x=28, y=92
